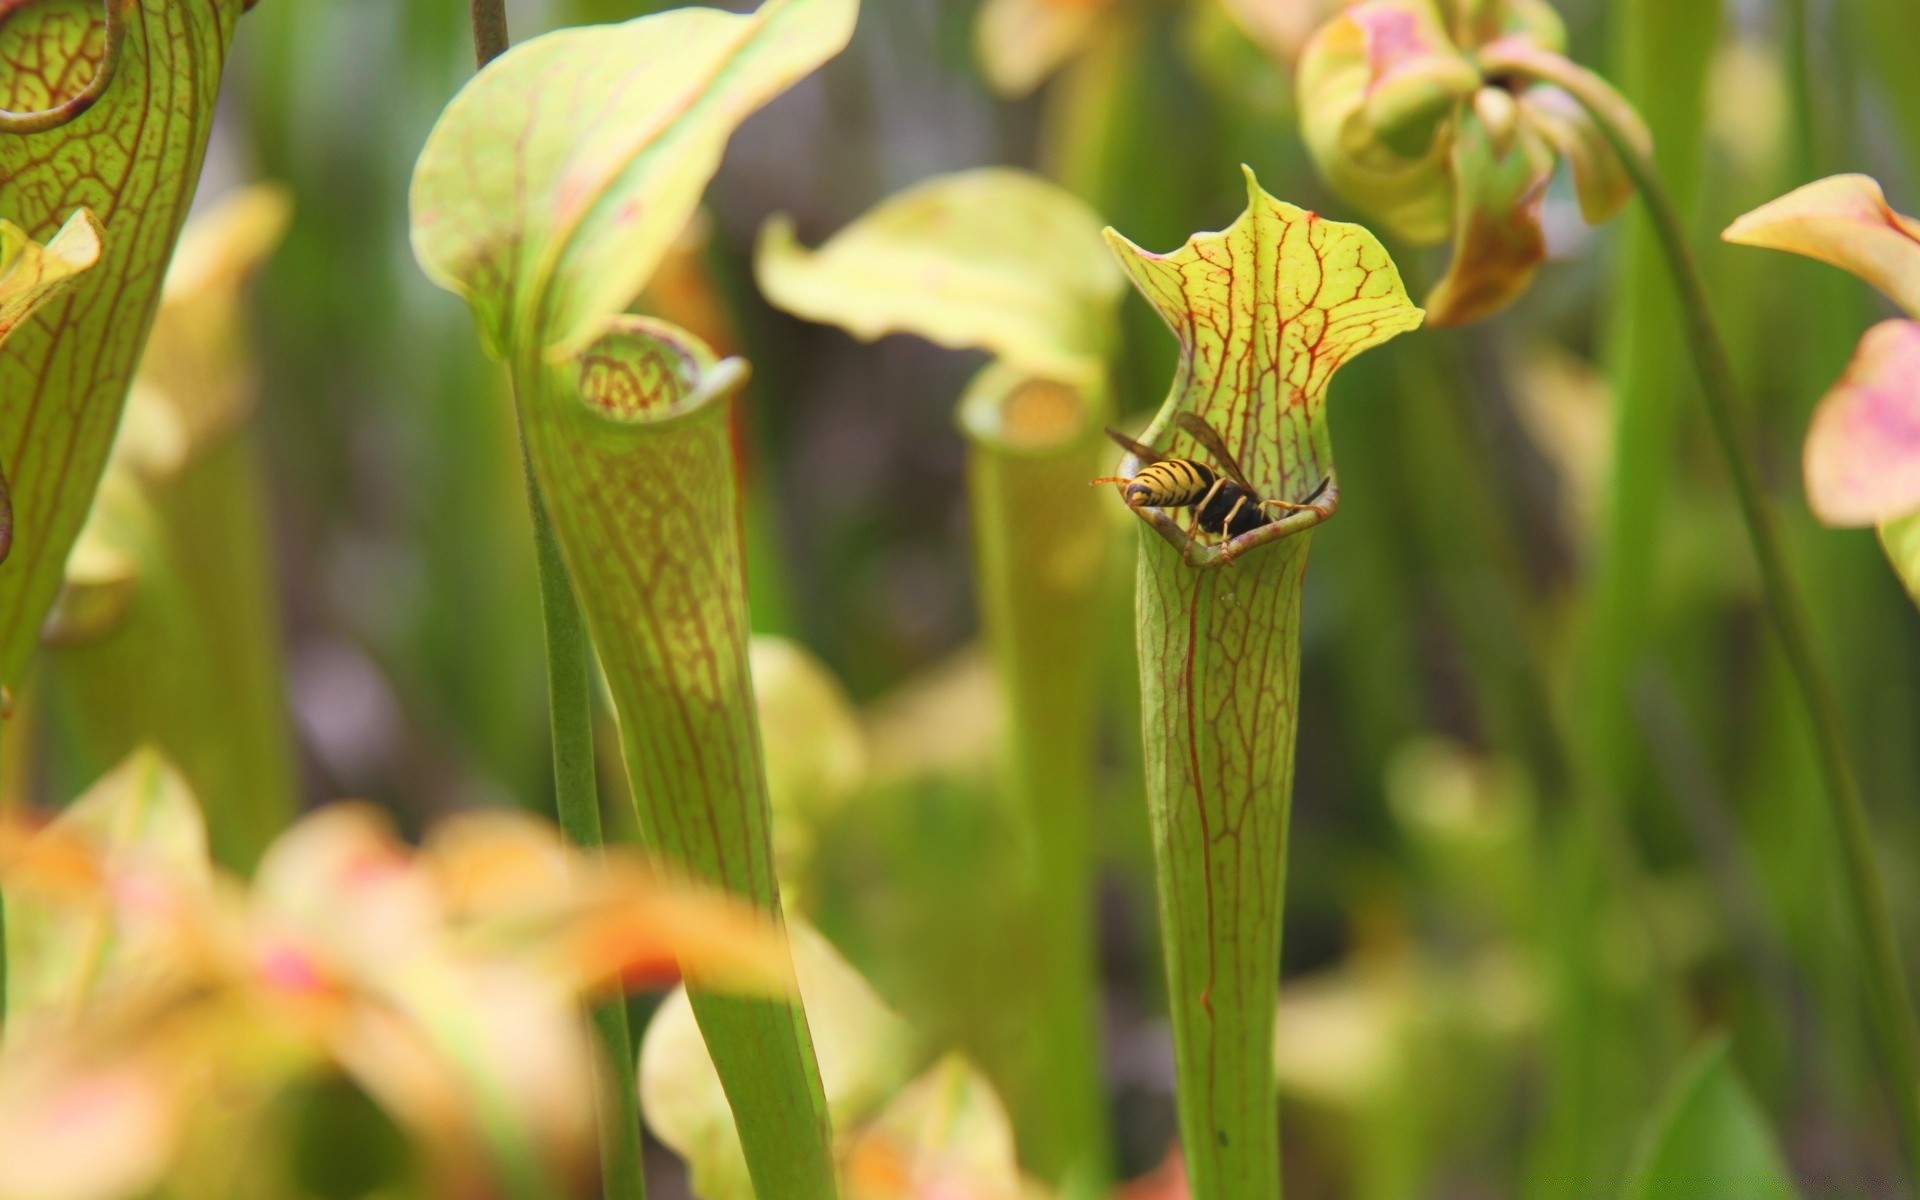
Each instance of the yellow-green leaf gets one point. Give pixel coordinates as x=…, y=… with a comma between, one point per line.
x=945, y=1134
x=993, y=258
x=1901, y=540
x=816, y=750
x=1846, y=221
x=32, y=274
x=865, y=1052
x=1266, y=312
x=59, y=946
x=561, y=174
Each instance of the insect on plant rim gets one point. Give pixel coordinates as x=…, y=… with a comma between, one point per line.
x=1316, y=508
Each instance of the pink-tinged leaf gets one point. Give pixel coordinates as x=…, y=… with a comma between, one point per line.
x=1498, y=243
x=1374, y=85
x=555, y=182
x=1600, y=179
x=144, y=831
x=1863, y=449
x=946, y=1136
x=1843, y=220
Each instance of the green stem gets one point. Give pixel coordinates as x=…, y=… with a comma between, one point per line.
x=576, y=790
x=1888, y=989
x=577, y=799
x=1034, y=446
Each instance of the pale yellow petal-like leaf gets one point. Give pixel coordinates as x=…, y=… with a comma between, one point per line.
x=561, y=174
x=1843, y=220
x=1863, y=448
x=196, y=363
x=1021, y=42
x=32, y=274
x=77, y=1130
x=993, y=258
x=816, y=751
x=945, y=1134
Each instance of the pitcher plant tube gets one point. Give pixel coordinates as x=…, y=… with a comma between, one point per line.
x=1005, y=261
x=548, y=192
x=1265, y=312
x=156, y=65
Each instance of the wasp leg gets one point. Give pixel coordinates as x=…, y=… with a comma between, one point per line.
x=1108, y=479
x=1226, y=529
x=1290, y=506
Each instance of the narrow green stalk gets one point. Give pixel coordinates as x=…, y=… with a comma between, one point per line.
x=1041, y=542
x=577, y=799
x=576, y=790
x=1890, y=996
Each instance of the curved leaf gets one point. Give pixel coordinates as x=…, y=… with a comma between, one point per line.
x=1846, y=221
x=993, y=258
x=32, y=274
x=561, y=174
x=945, y=1134
x=1497, y=239
x=1021, y=42
x=1709, y=1140
x=65, y=374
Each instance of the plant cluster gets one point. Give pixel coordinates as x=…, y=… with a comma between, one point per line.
x=1596, y=881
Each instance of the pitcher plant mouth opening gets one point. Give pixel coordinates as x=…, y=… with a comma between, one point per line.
x=643, y=373
x=71, y=108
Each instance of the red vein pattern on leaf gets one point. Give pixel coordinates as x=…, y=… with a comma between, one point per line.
x=133, y=159
x=641, y=487
x=1264, y=312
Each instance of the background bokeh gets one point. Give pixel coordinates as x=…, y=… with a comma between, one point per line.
x=1481, y=529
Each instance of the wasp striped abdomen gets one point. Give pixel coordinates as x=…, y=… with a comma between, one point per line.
x=1169, y=483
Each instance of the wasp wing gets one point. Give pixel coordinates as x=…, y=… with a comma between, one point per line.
x=1146, y=454
x=1215, y=445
